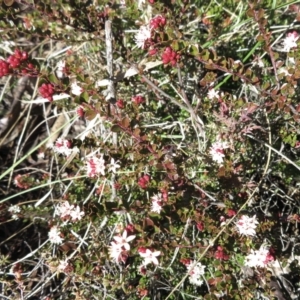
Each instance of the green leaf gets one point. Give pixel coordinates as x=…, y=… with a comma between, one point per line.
x=116, y=128
x=85, y=97
x=53, y=79
x=193, y=50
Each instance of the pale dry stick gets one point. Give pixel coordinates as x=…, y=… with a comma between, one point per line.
x=74, y=153
x=219, y=204
x=82, y=241
x=111, y=91
x=177, y=248
x=276, y=151
x=28, y=255
x=54, y=132
x=28, y=109
x=6, y=85
x=39, y=187
x=173, y=100
x=196, y=120
x=91, y=192
x=16, y=233
x=28, y=154
x=109, y=58
x=57, y=53
x=212, y=242
x=41, y=200
x=15, y=113
x=233, y=15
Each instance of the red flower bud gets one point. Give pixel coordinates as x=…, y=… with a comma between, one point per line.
x=120, y=103
x=143, y=181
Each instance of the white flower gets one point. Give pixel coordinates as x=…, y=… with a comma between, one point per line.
x=63, y=264
x=258, y=258
x=149, y=257
x=41, y=155
x=95, y=166
x=14, y=209
x=118, y=249
x=76, y=214
x=115, y=252
x=290, y=41
x=217, y=151
x=195, y=272
x=123, y=241
x=113, y=166
x=156, y=207
x=54, y=235
x=142, y=36
x=156, y=203
x=63, y=146
x=64, y=210
x=60, y=69
x=247, y=225
x=157, y=198
x=76, y=89
x=258, y=62
x=212, y=94
x=195, y=280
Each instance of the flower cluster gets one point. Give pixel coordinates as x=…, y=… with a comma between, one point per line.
x=142, y=36
x=95, y=166
x=61, y=69
x=4, y=68
x=259, y=258
x=47, y=91
x=220, y=254
x=69, y=212
x=157, y=203
x=80, y=111
x=63, y=146
x=195, y=271
x=217, y=151
x=76, y=89
x=138, y=99
x=212, y=93
x=120, y=103
x=157, y=22
x=290, y=41
x=54, y=235
x=14, y=210
x=144, y=181
x=17, y=61
x=247, y=225
x=113, y=166
x=148, y=256
x=118, y=251
x=22, y=181
x=17, y=58
x=169, y=56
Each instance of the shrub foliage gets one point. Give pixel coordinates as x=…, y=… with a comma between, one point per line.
x=149, y=149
